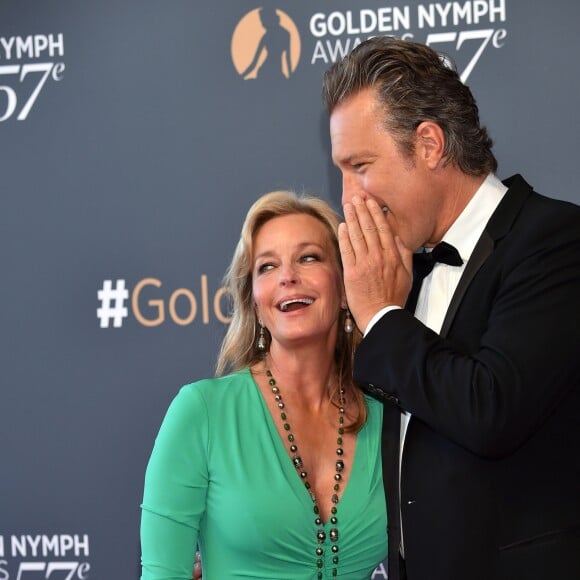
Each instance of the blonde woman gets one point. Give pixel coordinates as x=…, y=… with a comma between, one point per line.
x=273, y=467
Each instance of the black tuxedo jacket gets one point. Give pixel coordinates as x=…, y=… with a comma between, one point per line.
x=490, y=476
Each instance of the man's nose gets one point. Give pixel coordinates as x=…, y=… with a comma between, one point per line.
x=350, y=187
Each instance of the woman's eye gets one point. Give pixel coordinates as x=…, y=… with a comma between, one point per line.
x=265, y=267
x=310, y=258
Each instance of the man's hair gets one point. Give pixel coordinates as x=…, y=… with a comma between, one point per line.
x=413, y=83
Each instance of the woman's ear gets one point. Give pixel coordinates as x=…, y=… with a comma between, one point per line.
x=257, y=313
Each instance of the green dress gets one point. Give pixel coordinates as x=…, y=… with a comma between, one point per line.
x=219, y=475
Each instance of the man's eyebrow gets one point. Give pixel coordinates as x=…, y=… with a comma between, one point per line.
x=348, y=158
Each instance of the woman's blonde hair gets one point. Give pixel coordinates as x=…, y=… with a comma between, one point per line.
x=239, y=348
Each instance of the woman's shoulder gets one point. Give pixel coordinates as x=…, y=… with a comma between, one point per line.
x=215, y=389
x=196, y=403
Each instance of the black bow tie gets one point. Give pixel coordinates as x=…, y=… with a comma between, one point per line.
x=423, y=263
x=443, y=252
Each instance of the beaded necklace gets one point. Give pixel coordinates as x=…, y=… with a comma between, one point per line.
x=299, y=465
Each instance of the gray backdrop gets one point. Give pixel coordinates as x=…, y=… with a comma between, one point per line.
x=130, y=149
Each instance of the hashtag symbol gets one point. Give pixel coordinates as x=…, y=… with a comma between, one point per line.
x=112, y=303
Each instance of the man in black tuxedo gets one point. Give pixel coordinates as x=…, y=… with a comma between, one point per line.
x=480, y=379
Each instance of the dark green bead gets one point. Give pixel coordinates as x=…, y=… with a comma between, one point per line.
x=341, y=420
x=335, y=560
x=334, y=572
x=341, y=430
x=283, y=415
x=316, y=510
x=336, y=487
x=319, y=564
x=287, y=427
x=339, y=440
x=333, y=520
x=290, y=437
x=272, y=382
x=333, y=509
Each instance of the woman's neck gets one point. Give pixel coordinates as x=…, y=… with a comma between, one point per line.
x=306, y=373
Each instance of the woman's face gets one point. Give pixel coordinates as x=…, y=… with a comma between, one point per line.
x=296, y=280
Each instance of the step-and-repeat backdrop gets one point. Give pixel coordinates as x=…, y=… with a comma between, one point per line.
x=134, y=135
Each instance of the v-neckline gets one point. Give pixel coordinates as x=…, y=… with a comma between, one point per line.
x=291, y=473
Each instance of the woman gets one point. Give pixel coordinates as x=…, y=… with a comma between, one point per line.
x=273, y=469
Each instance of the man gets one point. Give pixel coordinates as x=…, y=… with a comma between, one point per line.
x=481, y=380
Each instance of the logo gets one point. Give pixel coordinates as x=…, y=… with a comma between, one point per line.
x=45, y=557
x=462, y=30
x=151, y=305
x=112, y=302
x=266, y=45
x=22, y=84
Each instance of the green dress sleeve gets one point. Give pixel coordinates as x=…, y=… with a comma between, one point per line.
x=175, y=490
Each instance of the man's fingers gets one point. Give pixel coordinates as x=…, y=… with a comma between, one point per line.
x=384, y=234
x=345, y=246
x=197, y=573
x=375, y=231
x=406, y=255
x=367, y=224
x=355, y=234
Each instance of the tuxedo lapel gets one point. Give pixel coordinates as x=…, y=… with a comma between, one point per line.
x=498, y=226
x=481, y=252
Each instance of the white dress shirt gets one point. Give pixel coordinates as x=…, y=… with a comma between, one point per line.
x=438, y=287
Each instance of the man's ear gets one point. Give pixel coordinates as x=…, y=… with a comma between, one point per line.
x=429, y=144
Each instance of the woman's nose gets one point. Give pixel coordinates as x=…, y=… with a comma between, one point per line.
x=288, y=276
